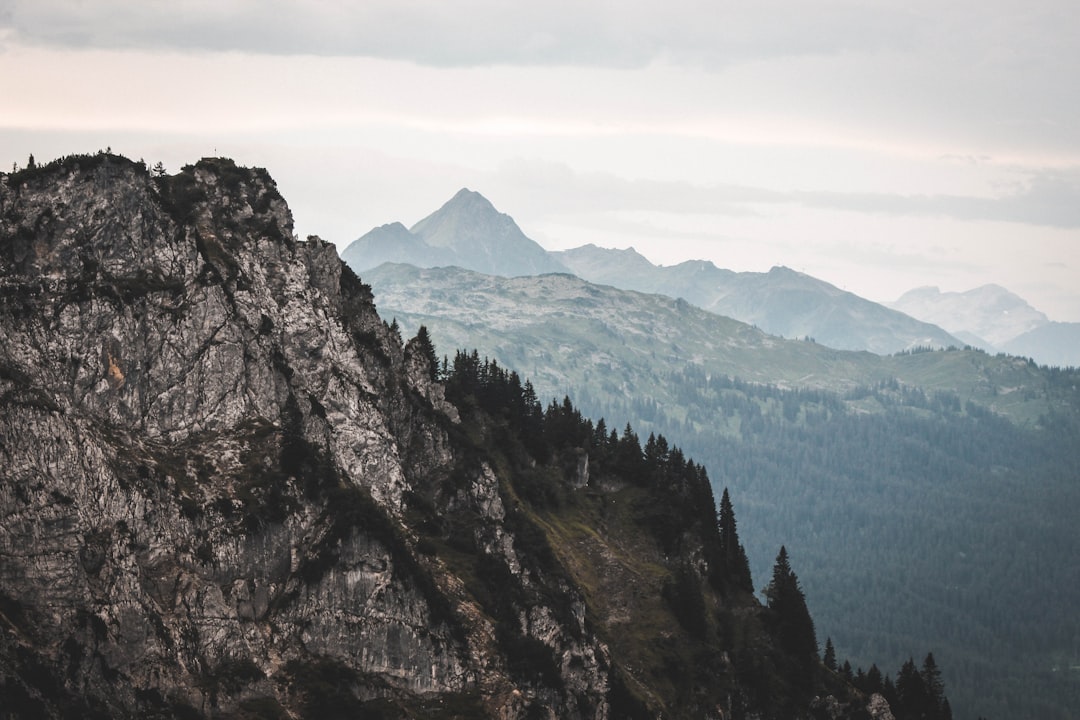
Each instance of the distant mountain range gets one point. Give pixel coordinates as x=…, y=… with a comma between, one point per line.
x=469, y=232
x=781, y=302
x=572, y=336
x=996, y=320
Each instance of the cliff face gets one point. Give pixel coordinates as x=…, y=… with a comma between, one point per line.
x=211, y=446
x=228, y=489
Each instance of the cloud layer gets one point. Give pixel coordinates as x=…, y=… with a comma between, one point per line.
x=880, y=137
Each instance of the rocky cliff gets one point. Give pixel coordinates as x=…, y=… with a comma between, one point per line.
x=228, y=489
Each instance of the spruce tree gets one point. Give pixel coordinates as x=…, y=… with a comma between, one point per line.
x=911, y=697
x=736, y=568
x=935, y=687
x=830, y=652
x=791, y=618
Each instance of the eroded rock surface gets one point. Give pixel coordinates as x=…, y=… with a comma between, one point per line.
x=209, y=443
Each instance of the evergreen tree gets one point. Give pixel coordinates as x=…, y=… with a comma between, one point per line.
x=787, y=604
x=935, y=686
x=830, y=652
x=912, y=700
x=875, y=683
x=736, y=567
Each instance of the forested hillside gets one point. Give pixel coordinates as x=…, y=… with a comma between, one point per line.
x=634, y=521
x=939, y=485
x=955, y=519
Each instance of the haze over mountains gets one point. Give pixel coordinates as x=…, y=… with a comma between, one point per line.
x=996, y=320
x=469, y=232
x=894, y=454
x=782, y=301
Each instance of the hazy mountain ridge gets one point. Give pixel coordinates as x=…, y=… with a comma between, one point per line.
x=782, y=301
x=997, y=320
x=577, y=327
x=1055, y=343
x=989, y=312
x=470, y=233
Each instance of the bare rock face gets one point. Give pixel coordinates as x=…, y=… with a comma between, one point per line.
x=211, y=451
x=878, y=708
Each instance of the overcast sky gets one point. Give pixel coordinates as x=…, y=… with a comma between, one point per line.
x=879, y=146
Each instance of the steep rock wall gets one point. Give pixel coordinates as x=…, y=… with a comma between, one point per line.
x=209, y=443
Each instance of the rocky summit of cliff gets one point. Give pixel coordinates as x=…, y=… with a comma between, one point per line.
x=229, y=489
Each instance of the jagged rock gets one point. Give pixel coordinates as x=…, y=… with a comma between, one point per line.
x=208, y=436
x=878, y=707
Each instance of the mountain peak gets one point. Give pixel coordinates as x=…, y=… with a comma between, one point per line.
x=990, y=312
x=465, y=218
x=482, y=238
x=467, y=231
x=469, y=201
x=465, y=194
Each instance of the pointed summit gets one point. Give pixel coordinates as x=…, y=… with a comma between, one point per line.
x=467, y=232
x=484, y=239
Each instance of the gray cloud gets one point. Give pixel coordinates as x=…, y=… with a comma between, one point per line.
x=976, y=76
x=1049, y=198
x=472, y=32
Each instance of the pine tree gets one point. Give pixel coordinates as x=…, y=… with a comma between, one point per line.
x=911, y=697
x=935, y=689
x=830, y=652
x=791, y=618
x=736, y=567
x=874, y=680
x=931, y=675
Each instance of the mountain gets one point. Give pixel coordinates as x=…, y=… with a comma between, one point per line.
x=467, y=231
x=389, y=243
x=782, y=302
x=229, y=489
x=562, y=332
x=994, y=319
x=947, y=477
x=990, y=312
x=1056, y=344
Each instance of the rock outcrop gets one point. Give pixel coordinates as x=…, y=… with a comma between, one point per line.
x=209, y=444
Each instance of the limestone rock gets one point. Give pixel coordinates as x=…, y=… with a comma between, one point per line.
x=209, y=440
